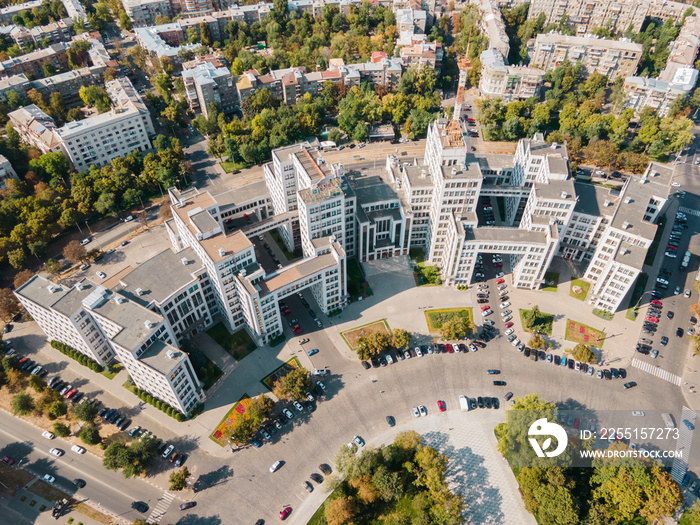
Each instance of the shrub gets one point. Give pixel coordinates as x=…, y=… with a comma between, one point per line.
x=22, y=404
x=90, y=436
x=61, y=429
x=77, y=356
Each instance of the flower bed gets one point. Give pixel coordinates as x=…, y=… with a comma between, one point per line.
x=351, y=336
x=581, y=333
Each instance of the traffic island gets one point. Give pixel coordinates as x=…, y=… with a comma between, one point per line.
x=436, y=318
x=579, y=289
x=351, y=336
x=542, y=323
x=236, y=412
x=580, y=333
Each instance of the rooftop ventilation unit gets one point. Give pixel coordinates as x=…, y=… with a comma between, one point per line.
x=628, y=200
x=564, y=195
x=139, y=292
x=118, y=299
x=222, y=252
x=148, y=324
x=607, y=202
x=626, y=225
x=53, y=288
x=170, y=354
x=79, y=286
x=242, y=273
x=184, y=261
x=554, y=145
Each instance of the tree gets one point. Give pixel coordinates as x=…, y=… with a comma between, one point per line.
x=9, y=305
x=37, y=383
x=125, y=21
x=106, y=203
x=532, y=319
x=22, y=404
x=692, y=515
x=17, y=258
x=86, y=412
x=57, y=409
x=14, y=379
x=53, y=266
x=537, y=342
x=205, y=34
x=583, y=353
x=75, y=252
x=22, y=277
x=401, y=338
x=372, y=343
x=340, y=511
x=293, y=385
x=178, y=479
x=455, y=327
x=61, y=429
x=334, y=135
x=361, y=132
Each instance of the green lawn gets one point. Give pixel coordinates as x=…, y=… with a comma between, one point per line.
x=584, y=286
x=238, y=345
x=112, y=371
x=357, y=285
x=639, y=286
x=545, y=326
x=229, y=167
x=553, y=278
x=278, y=239
x=437, y=317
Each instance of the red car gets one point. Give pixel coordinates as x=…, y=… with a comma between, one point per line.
x=656, y=302
x=71, y=393
x=652, y=319
x=297, y=330
x=441, y=406
x=500, y=281
x=577, y=422
x=485, y=307
x=285, y=512
x=450, y=350
x=286, y=311
x=509, y=324
x=498, y=264
x=8, y=460
x=674, y=248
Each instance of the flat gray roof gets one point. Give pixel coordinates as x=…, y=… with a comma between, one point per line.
x=416, y=178
x=204, y=221
x=505, y=235
x=491, y=161
x=131, y=316
x=72, y=301
x=555, y=189
x=161, y=276
x=591, y=199
x=156, y=356
x=242, y=195
x=37, y=290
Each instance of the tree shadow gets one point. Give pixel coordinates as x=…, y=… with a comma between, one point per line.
x=18, y=450
x=194, y=519
x=211, y=479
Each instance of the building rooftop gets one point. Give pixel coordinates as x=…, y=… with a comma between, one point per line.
x=161, y=276
x=595, y=200
x=42, y=291
x=418, y=176
x=79, y=127
x=329, y=188
x=297, y=271
x=631, y=255
x=587, y=41
x=505, y=235
x=72, y=300
x=555, y=189
x=162, y=357
x=242, y=195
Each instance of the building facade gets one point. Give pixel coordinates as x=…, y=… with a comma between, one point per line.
x=507, y=82
x=659, y=94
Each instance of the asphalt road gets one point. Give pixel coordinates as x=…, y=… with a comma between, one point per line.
x=22, y=441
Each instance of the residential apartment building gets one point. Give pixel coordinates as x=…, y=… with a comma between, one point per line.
x=6, y=13
x=108, y=326
x=143, y=13
x=420, y=55
x=32, y=63
x=507, y=82
x=6, y=172
x=52, y=33
x=586, y=15
x=613, y=58
x=659, y=94
x=491, y=24
x=684, y=49
x=163, y=41
x=68, y=84
x=35, y=128
x=206, y=84
x=76, y=11
x=123, y=94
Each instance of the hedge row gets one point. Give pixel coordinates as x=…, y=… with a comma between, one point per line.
x=77, y=356
x=160, y=405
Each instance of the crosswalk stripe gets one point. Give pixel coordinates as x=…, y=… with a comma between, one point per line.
x=656, y=371
x=690, y=211
x=162, y=507
x=685, y=440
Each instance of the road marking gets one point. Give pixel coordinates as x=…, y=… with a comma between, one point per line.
x=162, y=507
x=685, y=439
x=690, y=211
x=657, y=371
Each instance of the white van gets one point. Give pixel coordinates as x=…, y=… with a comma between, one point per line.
x=463, y=404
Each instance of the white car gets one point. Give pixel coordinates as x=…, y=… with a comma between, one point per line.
x=638, y=413
x=472, y=347
x=322, y=372
x=77, y=449
x=499, y=275
x=516, y=342
x=687, y=292
x=509, y=331
x=502, y=286
x=418, y=352
x=298, y=406
x=489, y=322
x=486, y=313
x=502, y=292
x=416, y=412
x=504, y=305
x=56, y=452
x=49, y=478
x=101, y=275
x=423, y=410
x=129, y=218
x=577, y=366
x=676, y=184
x=48, y=435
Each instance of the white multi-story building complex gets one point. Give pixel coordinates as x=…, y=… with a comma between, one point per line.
x=684, y=48
x=659, y=94
x=107, y=325
x=587, y=16
x=6, y=172
x=143, y=13
x=507, y=82
x=613, y=58
x=76, y=11
x=95, y=140
x=491, y=25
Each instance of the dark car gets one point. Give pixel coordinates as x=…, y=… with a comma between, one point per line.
x=499, y=383
x=140, y=506
x=493, y=372
x=541, y=355
x=375, y=361
x=622, y=373
x=607, y=374
x=571, y=364
x=495, y=403
x=480, y=401
x=472, y=403
x=80, y=483
x=613, y=372
x=124, y=424
x=323, y=467
x=664, y=341
x=526, y=352
x=669, y=314
x=487, y=402
x=390, y=420
x=508, y=396
x=679, y=332
x=366, y=365
x=188, y=505
x=557, y=360
x=631, y=384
